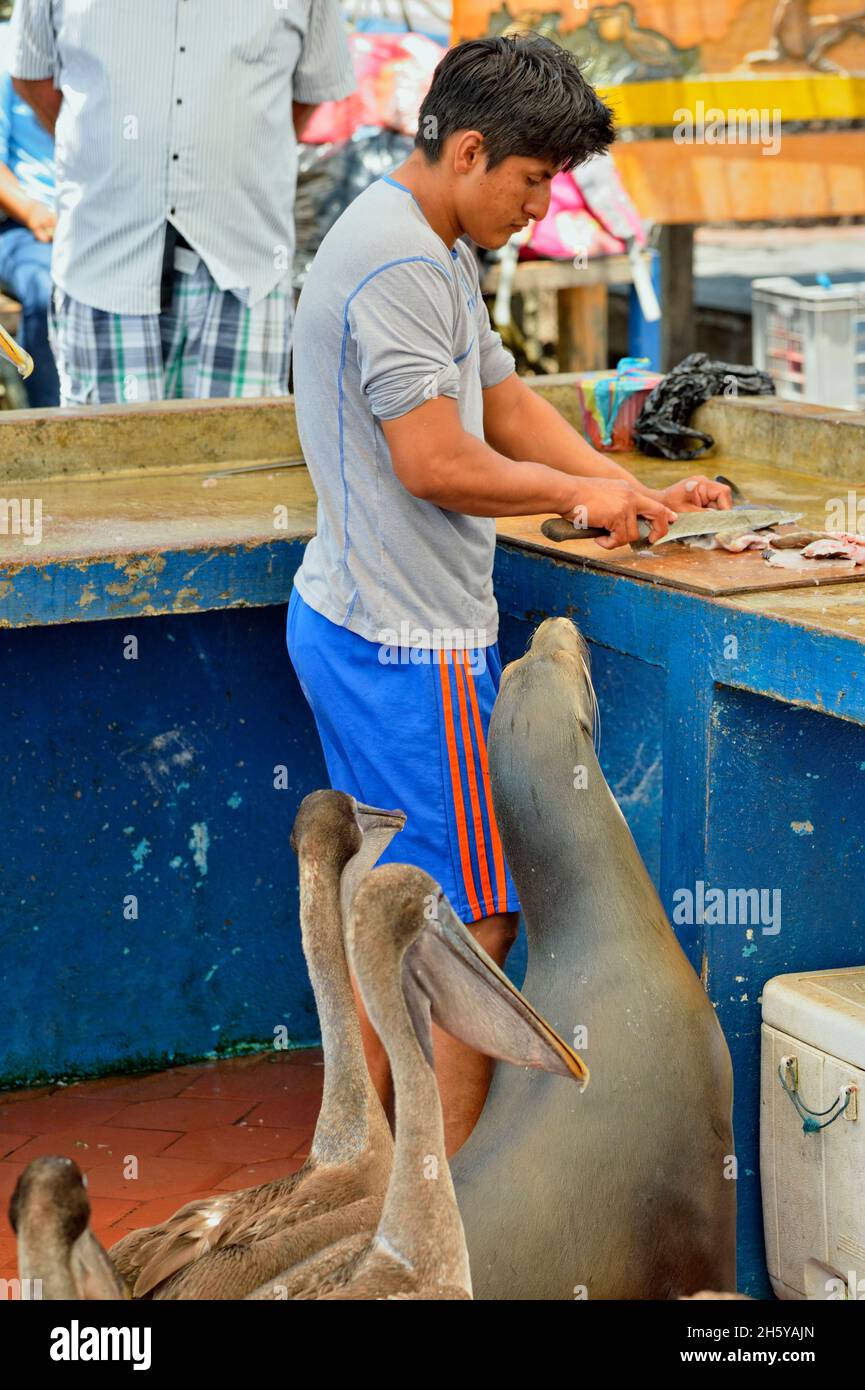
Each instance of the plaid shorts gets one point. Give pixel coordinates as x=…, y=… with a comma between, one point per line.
x=206, y=343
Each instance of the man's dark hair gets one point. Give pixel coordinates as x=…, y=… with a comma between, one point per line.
x=526, y=95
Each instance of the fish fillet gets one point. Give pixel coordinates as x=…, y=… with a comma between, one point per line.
x=736, y=521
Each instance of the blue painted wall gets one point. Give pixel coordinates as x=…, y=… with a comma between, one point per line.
x=152, y=777
x=787, y=790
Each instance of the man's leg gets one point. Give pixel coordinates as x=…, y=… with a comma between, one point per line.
x=25, y=267
x=413, y=734
x=463, y=1075
x=104, y=358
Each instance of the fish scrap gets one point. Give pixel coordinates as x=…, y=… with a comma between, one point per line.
x=805, y=550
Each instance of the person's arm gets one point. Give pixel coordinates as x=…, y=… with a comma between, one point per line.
x=14, y=201
x=438, y=461
x=43, y=97
x=519, y=422
x=302, y=115
x=33, y=58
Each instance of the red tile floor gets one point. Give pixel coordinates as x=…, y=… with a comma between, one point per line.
x=194, y=1131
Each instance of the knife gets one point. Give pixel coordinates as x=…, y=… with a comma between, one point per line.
x=706, y=521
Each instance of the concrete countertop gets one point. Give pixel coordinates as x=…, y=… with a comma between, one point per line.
x=188, y=506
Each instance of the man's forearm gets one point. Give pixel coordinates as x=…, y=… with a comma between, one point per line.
x=519, y=423
x=438, y=461
x=302, y=114
x=474, y=479
x=43, y=97
x=13, y=199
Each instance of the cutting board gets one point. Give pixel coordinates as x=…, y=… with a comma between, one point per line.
x=714, y=573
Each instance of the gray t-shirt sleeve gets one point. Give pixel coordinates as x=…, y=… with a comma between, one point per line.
x=496, y=363
x=402, y=324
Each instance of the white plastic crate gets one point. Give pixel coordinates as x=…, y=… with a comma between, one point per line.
x=813, y=1183
x=811, y=340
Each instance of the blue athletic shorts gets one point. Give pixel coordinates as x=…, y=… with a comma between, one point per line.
x=409, y=732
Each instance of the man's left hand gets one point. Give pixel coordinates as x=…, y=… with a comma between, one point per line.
x=691, y=494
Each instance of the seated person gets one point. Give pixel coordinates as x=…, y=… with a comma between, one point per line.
x=27, y=230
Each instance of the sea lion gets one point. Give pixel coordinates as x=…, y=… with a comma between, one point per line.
x=626, y=1191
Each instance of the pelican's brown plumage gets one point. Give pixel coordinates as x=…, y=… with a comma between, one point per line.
x=57, y=1251
x=226, y=1246
x=414, y=962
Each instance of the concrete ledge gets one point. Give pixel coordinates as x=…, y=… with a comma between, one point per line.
x=813, y=439
x=560, y=392
x=804, y=438
x=167, y=435
x=177, y=436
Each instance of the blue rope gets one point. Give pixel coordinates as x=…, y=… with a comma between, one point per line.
x=810, y=1118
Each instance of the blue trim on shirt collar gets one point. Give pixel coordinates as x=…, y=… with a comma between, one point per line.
x=395, y=183
x=388, y=265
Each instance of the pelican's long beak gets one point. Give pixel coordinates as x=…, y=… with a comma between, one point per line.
x=471, y=998
x=23, y=361
x=378, y=828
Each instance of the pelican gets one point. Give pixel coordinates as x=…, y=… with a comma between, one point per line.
x=224, y=1247
x=15, y=352
x=415, y=962
x=50, y=1215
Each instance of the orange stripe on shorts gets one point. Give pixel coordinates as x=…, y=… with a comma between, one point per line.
x=480, y=840
x=456, y=784
x=495, y=838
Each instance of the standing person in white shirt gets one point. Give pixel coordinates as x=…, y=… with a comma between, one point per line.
x=176, y=130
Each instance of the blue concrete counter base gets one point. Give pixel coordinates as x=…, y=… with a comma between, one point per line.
x=152, y=769
x=154, y=747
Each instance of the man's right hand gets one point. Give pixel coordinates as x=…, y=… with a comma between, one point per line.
x=616, y=506
x=41, y=221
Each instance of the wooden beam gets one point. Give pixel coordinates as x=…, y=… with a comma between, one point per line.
x=558, y=275
x=582, y=345
x=678, y=326
x=814, y=174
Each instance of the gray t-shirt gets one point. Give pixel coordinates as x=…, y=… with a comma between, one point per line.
x=389, y=318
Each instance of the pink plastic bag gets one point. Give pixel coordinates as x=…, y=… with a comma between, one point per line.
x=393, y=74
x=579, y=225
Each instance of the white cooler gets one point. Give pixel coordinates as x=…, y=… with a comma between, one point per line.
x=814, y=1183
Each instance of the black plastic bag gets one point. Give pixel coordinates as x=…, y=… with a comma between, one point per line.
x=662, y=429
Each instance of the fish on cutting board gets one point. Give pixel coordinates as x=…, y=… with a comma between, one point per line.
x=708, y=522
x=735, y=542
x=794, y=560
